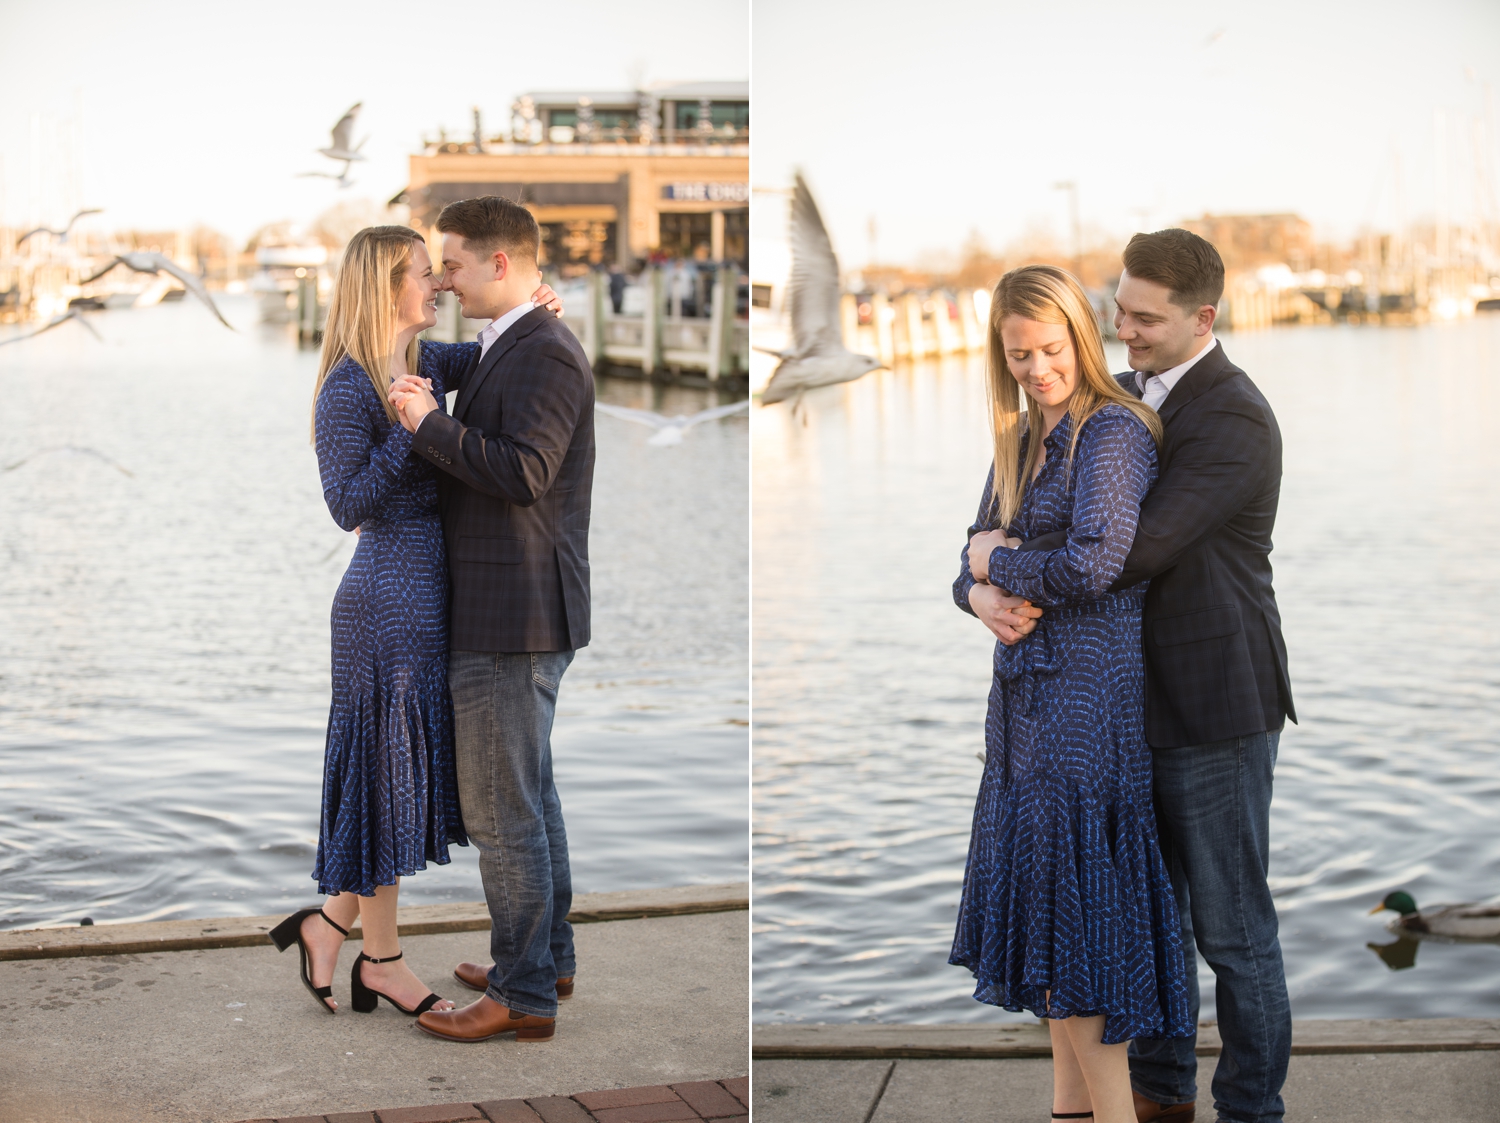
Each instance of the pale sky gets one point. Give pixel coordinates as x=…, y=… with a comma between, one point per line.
x=958, y=116
x=204, y=112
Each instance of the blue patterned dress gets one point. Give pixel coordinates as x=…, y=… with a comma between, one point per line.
x=390, y=792
x=1065, y=888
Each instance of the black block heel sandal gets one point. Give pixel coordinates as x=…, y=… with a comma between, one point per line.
x=289, y=932
x=365, y=999
x=1073, y=1115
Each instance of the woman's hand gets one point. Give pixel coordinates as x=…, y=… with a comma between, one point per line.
x=544, y=297
x=413, y=400
x=982, y=545
x=1011, y=619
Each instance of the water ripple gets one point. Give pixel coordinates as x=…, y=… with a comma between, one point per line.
x=871, y=687
x=164, y=637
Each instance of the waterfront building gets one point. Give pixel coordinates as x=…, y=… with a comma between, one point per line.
x=613, y=177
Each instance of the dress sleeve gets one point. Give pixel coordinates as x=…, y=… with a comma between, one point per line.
x=357, y=465
x=445, y=364
x=1115, y=464
x=984, y=520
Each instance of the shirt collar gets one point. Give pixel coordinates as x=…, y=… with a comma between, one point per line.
x=1060, y=432
x=498, y=327
x=1170, y=378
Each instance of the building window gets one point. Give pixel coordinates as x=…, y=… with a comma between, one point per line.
x=735, y=114
x=682, y=234
x=573, y=248
x=737, y=236
x=608, y=124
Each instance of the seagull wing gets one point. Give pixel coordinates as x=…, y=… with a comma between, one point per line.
x=343, y=132
x=189, y=280
x=94, y=452
x=742, y=406
x=639, y=416
x=48, y=326
x=80, y=214
x=83, y=322
x=38, y=230
x=97, y=455
x=106, y=269
x=813, y=290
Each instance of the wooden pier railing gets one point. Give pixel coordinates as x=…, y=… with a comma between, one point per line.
x=716, y=346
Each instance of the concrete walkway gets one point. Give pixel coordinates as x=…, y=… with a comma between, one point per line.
x=1364, y=1071
x=218, y=1034
x=721, y=1101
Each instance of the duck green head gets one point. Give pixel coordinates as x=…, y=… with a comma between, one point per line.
x=1400, y=901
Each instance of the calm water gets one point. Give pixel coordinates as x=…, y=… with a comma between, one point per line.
x=164, y=635
x=870, y=686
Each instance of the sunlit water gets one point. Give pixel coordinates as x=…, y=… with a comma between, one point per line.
x=870, y=685
x=164, y=637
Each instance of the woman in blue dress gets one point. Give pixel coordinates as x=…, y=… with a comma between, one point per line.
x=390, y=793
x=1067, y=908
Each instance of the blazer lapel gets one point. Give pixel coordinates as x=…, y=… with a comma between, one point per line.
x=1205, y=373
x=491, y=359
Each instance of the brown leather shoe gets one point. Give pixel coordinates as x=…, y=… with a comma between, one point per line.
x=484, y=1019
x=475, y=977
x=1147, y=1110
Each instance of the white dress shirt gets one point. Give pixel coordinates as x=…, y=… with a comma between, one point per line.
x=496, y=328
x=1154, y=390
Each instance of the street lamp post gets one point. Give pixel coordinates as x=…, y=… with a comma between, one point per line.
x=1071, y=187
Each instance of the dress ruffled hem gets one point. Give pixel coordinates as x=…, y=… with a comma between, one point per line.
x=1094, y=921
x=390, y=788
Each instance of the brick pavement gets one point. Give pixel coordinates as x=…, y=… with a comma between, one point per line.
x=724, y=1101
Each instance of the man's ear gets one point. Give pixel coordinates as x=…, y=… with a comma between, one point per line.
x=1206, y=316
x=501, y=263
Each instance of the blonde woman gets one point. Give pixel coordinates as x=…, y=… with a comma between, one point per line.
x=390, y=796
x=1067, y=909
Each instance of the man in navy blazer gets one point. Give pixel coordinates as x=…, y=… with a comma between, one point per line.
x=516, y=468
x=1217, y=688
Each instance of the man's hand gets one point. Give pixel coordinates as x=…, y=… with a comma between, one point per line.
x=544, y=297
x=982, y=545
x=413, y=398
x=1012, y=619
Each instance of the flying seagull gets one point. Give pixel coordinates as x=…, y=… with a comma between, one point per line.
x=669, y=430
x=71, y=314
x=64, y=232
x=95, y=453
x=341, y=149
x=143, y=262
x=817, y=356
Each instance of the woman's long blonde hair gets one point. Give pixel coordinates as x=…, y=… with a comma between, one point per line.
x=1050, y=296
x=362, y=312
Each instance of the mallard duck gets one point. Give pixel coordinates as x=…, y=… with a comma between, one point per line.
x=1454, y=922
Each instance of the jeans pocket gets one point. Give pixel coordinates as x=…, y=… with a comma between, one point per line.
x=545, y=671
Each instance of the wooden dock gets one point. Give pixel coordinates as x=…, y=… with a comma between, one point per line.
x=656, y=342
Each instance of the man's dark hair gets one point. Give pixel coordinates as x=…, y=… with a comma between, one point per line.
x=490, y=223
x=1178, y=260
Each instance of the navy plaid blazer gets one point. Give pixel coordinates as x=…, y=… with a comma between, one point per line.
x=517, y=473
x=1216, y=664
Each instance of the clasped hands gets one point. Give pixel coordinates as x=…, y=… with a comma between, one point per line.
x=1010, y=618
x=412, y=396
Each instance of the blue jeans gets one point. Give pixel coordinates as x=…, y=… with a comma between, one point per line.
x=503, y=706
x=1213, y=808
